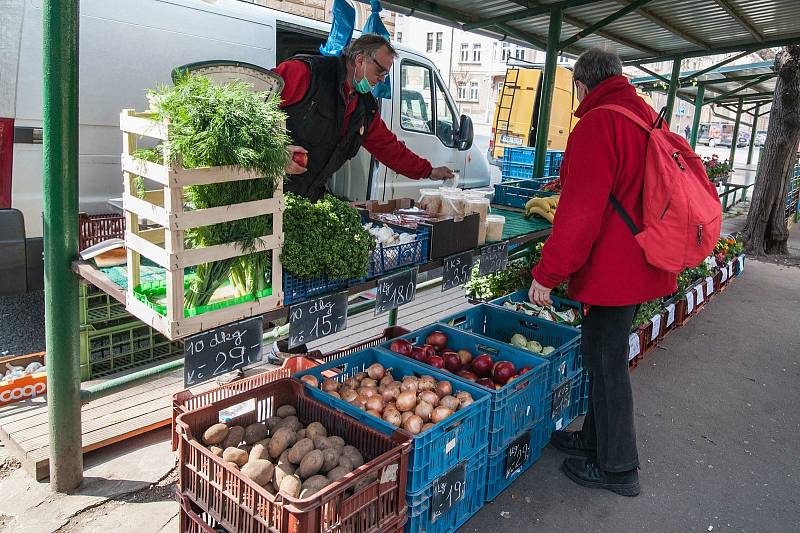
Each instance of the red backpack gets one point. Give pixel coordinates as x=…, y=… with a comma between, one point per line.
x=682, y=213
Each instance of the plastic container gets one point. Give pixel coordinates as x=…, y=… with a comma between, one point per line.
x=193, y=519
x=496, y=479
x=560, y=304
x=371, y=498
x=517, y=193
x=430, y=200
x=479, y=204
x=514, y=406
x=563, y=419
x=94, y=229
x=452, y=204
x=494, y=227
x=436, y=450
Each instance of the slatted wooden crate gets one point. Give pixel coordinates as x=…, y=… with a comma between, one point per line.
x=164, y=244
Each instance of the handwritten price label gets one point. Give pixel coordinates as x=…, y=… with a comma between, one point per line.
x=314, y=319
x=395, y=290
x=518, y=454
x=494, y=258
x=456, y=271
x=222, y=350
x=448, y=490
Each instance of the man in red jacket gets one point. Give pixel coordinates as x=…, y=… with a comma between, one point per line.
x=593, y=249
x=332, y=113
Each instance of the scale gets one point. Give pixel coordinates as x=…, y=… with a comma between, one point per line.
x=223, y=71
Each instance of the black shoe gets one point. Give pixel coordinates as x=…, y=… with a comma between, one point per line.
x=572, y=442
x=585, y=472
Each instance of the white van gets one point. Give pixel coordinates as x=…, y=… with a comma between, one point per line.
x=128, y=47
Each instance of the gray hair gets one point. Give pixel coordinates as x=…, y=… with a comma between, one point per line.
x=596, y=65
x=368, y=45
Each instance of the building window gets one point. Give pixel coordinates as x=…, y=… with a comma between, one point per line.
x=476, y=53
x=464, y=53
x=519, y=53
x=429, y=43
x=462, y=90
x=506, y=52
x=473, y=91
x=399, y=37
x=438, y=41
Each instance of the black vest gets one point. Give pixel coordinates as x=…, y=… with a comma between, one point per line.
x=315, y=123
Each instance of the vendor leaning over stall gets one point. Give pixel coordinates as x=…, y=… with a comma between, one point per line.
x=332, y=113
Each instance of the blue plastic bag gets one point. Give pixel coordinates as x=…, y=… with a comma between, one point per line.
x=344, y=21
x=375, y=25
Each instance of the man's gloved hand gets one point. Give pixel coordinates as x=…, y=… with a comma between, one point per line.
x=441, y=173
x=299, y=155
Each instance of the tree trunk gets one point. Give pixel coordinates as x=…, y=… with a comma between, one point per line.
x=766, y=231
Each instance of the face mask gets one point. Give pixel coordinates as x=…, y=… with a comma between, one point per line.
x=362, y=86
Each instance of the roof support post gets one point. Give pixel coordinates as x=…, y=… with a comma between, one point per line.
x=698, y=109
x=753, y=135
x=60, y=148
x=736, y=126
x=548, y=87
x=674, y=82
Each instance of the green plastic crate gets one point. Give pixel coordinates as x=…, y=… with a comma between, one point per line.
x=100, y=310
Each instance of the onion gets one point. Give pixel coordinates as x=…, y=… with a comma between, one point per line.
x=390, y=405
x=464, y=399
x=427, y=383
x=410, y=385
x=351, y=383
x=357, y=405
x=375, y=404
x=406, y=401
x=443, y=388
x=389, y=393
x=369, y=392
x=423, y=410
x=361, y=400
x=360, y=376
x=369, y=382
x=426, y=426
x=392, y=416
x=405, y=416
x=387, y=379
x=413, y=424
x=330, y=384
x=311, y=380
x=449, y=402
x=376, y=371
x=374, y=413
x=334, y=394
x=430, y=397
x=348, y=395
x=439, y=414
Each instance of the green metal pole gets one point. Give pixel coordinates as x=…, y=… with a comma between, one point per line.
x=698, y=110
x=753, y=131
x=736, y=126
x=60, y=139
x=548, y=87
x=674, y=83
x=392, y=321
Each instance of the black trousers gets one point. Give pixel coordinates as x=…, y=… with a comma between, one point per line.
x=609, y=420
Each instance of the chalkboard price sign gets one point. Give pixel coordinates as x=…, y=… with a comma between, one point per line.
x=395, y=290
x=518, y=454
x=494, y=258
x=457, y=270
x=221, y=350
x=561, y=397
x=448, y=490
x=318, y=318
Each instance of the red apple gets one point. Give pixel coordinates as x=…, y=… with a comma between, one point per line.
x=437, y=339
x=486, y=382
x=419, y=354
x=466, y=357
x=401, y=346
x=429, y=350
x=503, y=371
x=301, y=159
x=435, y=361
x=467, y=375
x=451, y=361
x=524, y=369
x=482, y=365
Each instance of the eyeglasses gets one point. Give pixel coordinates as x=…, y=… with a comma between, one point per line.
x=384, y=71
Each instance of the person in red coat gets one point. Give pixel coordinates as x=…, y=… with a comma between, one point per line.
x=593, y=249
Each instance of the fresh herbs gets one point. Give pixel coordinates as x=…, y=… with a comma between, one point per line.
x=646, y=311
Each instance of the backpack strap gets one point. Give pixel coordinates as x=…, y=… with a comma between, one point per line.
x=622, y=110
x=624, y=214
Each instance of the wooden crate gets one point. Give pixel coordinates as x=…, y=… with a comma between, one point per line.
x=164, y=244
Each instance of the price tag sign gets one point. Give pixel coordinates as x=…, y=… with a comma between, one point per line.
x=494, y=258
x=634, y=347
x=314, y=319
x=221, y=350
x=656, y=320
x=689, y=302
x=724, y=274
x=561, y=398
x=699, y=292
x=518, y=454
x=709, y=285
x=448, y=490
x=457, y=270
x=395, y=290
x=670, y=314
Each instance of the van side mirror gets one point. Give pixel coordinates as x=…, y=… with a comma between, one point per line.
x=465, y=133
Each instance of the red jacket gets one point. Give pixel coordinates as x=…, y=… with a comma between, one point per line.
x=380, y=142
x=590, y=245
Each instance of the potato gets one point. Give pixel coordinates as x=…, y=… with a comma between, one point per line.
x=259, y=470
x=330, y=460
x=255, y=432
x=354, y=455
x=272, y=423
x=234, y=437
x=215, y=434
x=346, y=462
x=264, y=443
x=300, y=450
x=245, y=447
x=259, y=451
x=338, y=473
x=286, y=410
x=235, y=455
x=315, y=428
x=284, y=458
x=280, y=441
x=281, y=471
x=290, y=486
x=313, y=485
x=291, y=422
x=216, y=450
x=311, y=464
x=232, y=465
x=301, y=434
x=322, y=443
x=337, y=441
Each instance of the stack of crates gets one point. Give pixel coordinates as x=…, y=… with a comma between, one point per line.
x=517, y=163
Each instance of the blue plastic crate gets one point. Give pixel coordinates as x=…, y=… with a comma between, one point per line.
x=583, y=399
x=514, y=406
x=436, y=450
x=496, y=480
x=517, y=193
x=500, y=324
x=419, y=512
x=570, y=413
x=526, y=154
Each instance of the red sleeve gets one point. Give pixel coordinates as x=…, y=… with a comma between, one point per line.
x=383, y=144
x=296, y=75
x=584, y=199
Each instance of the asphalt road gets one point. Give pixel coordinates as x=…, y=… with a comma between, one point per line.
x=22, y=323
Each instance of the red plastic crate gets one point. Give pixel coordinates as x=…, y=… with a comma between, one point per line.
x=370, y=499
x=94, y=229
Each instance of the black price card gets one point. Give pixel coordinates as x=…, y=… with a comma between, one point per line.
x=448, y=490
x=494, y=258
x=518, y=454
x=318, y=318
x=561, y=398
x=457, y=270
x=395, y=290
x=221, y=350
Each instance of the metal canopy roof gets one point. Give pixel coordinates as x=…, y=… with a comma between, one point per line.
x=639, y=30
